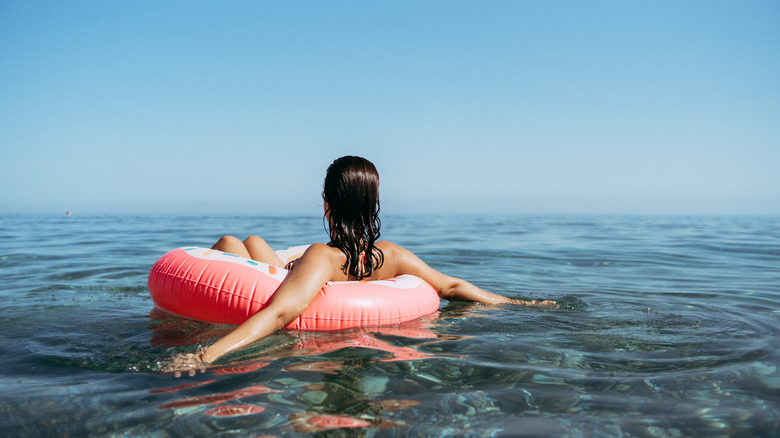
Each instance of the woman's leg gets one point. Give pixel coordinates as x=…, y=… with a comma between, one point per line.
x=253, y=247
x=261, y=251
x=232, y=245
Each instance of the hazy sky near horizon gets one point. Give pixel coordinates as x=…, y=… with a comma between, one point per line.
x=464, y=106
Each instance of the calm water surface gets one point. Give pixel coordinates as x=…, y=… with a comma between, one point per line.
x=669, y=326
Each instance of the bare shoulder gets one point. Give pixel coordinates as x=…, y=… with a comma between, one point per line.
x=318, y=247
x=386, y=246
x=321, y=258
x=321, y=250
x=399, y=260
x=322, y=254
x=393, y=253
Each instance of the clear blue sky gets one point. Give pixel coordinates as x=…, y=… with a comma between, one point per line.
x=464, y=106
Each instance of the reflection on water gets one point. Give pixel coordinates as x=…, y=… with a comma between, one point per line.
x=347, y=394
x=214, y=399
x=392, y=377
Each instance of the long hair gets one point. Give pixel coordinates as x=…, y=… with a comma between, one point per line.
x=351, y=190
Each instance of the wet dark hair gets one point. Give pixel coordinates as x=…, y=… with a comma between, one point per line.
x=351, y=190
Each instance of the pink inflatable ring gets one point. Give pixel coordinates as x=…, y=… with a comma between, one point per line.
x=214, y=286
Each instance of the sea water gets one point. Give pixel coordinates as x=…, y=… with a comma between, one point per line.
x=667, y=326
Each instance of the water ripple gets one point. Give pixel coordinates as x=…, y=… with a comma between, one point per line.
x=668, y=326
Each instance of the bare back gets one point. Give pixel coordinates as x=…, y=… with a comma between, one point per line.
x=397, y=261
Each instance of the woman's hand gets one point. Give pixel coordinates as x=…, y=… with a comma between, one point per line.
x=190, y=363
x=547, y=304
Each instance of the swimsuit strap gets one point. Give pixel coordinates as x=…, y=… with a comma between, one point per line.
x=362, y=264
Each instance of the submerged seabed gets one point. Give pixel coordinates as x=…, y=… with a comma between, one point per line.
x=668, y=327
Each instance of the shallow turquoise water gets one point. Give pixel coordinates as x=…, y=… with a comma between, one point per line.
x=669, y=327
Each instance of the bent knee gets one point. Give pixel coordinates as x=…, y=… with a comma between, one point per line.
x=254, y=240
x=226, y=242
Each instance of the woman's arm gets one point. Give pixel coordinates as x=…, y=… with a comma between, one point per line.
x=451, y=288
x=294, y=295
x=297, y=291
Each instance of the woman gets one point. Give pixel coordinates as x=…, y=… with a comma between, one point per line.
x=351, y=202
